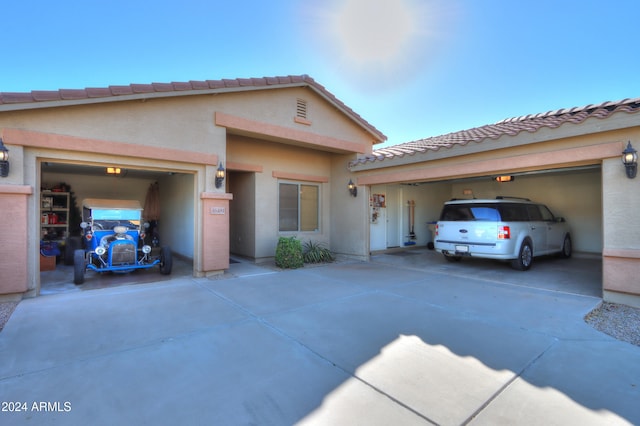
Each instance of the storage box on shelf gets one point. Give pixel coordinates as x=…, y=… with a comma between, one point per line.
x=54, y=216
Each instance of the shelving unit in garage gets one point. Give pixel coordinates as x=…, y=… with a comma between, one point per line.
x=54, y=225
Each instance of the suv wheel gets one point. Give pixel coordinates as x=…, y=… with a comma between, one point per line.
x=525, y=257
x=566, y=247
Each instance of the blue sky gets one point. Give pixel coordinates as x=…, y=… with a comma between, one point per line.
x=412, y=68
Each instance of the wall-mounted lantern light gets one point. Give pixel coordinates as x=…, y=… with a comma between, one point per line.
x=353, y=189
x=502, y=179
x=4, y=160
x=219, y=176
x=630, y=160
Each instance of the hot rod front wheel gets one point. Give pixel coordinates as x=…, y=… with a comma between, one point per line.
x=78, y=267
x=166, y=261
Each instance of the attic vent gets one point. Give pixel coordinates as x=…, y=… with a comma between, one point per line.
x=301, y=108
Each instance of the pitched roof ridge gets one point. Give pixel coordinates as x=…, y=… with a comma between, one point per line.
x=116, y=90
x=96, y=93
x=508, y=127
x=591, y=107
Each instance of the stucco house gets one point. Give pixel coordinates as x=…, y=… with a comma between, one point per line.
x=284, y=144
x=289, y=148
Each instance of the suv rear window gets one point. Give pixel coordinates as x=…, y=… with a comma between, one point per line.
x=465, y=212
x=490, y=212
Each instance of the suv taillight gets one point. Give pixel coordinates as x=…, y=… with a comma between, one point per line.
x=504, y=233
x=436, y=229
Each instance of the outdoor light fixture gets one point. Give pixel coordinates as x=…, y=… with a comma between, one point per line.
x=4, y=160
x=353, y=189
x=219, y=176
x=502, y=179
x=630, y=160
x=114, y=170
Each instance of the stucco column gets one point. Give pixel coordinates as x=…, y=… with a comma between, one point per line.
x=13, y=249
x=215, y=232
x=621, y=228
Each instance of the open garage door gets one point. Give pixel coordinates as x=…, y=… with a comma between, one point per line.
x=64, y=186
x=573, y=193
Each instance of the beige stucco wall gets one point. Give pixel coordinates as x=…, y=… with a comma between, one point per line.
x=279, y=107
x=297, y=165
x=349, y=234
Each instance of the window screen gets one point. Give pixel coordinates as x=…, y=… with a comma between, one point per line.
x=299, y=206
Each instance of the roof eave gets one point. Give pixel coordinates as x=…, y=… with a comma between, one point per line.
x=618, y=120
x=240, y=86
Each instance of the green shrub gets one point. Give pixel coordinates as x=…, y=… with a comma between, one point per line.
x=317, y=253
x=289, y=253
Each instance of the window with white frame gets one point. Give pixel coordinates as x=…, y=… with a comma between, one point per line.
x=299, y=207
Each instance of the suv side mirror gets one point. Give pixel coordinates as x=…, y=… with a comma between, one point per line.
x=84, y=225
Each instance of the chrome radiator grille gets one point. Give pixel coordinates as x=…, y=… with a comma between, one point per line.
x=123, y=254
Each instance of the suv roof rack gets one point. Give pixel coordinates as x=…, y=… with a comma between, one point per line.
x=502, y=197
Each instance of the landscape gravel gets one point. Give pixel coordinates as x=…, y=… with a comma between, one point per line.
x=619, y=321
x=6, y=309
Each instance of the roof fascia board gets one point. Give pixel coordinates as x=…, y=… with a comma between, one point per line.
x=592, y=125
x=569, y=157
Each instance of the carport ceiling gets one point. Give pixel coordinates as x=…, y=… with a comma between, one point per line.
x=88, y=170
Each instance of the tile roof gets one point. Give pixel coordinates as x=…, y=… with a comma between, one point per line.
x=44, y=98
x=511, y=127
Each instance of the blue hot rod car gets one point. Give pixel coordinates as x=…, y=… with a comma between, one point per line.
x=113, y=237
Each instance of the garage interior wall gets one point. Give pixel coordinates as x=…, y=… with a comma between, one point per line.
x=574, y=195
x=428, y=199
x=177, y=215
x=84, y=186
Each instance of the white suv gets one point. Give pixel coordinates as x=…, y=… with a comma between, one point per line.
x=506, y=228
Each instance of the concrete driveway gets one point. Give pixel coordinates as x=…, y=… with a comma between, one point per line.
x=347, y=343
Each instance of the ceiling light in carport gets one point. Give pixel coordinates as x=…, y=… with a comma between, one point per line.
x=114, y=170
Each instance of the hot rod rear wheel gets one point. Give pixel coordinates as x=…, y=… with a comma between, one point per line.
x=78, y=267
x=166, y=261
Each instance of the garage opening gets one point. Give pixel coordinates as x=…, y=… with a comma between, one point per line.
x=573, y=193
x=64, y=186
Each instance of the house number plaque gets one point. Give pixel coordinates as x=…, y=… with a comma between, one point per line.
x=218, y=210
